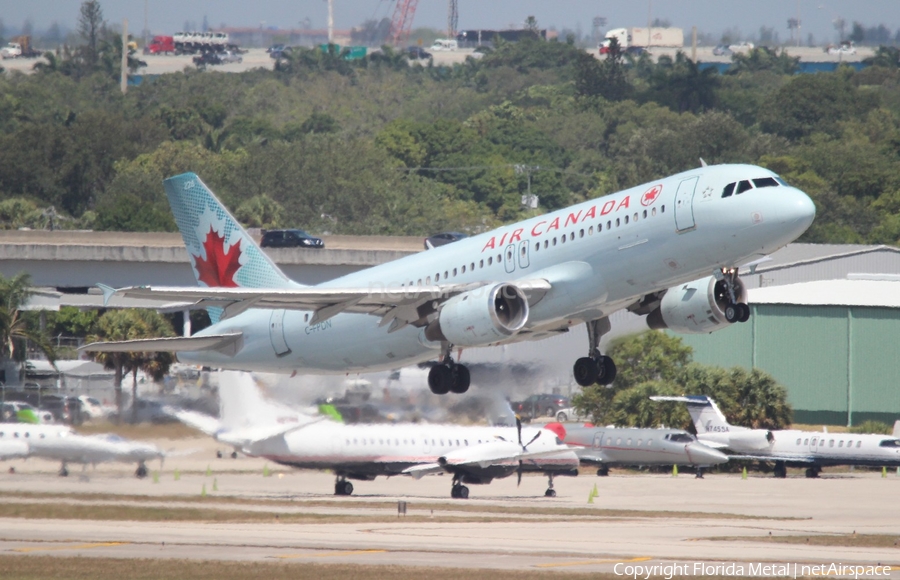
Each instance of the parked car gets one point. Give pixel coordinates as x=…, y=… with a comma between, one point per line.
x=569, y=414
x=543, y=405
x=845, y=47
x=207, y=58
x=417, y=52
x=443, y=239
x=281, y=51
x=290, y=239
x=722, y=50
x=231, y=56
x=21, y=412
x=94, y=409
x=741, y=47
x=275, y=48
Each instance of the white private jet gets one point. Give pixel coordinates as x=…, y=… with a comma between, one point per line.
x=60, y=443
x=788, y=447
x=606, y=447
x=474, y=455
x=669, y=249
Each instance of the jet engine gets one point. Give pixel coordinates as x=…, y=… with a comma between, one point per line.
x=480, y=316
x=755, y=439
x=697, y=307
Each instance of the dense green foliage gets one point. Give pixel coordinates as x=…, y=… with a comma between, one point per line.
x=379, y=146
x=657, y=363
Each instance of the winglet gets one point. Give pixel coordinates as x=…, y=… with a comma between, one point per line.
x=108, y=292
x=702, y=162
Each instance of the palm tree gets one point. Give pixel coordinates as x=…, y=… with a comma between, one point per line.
x=15, y=331
x=117, y=325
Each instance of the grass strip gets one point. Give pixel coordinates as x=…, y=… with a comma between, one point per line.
x=839, y=540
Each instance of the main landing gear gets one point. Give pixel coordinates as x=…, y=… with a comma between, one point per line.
x=448, y=376
x=730, y=285
x=459, y=491
x=550, y=491
x=780, y=470
x=342, y=486
x=141, y=471
x=595, y=368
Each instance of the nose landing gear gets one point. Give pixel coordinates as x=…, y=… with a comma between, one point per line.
x=732, y=291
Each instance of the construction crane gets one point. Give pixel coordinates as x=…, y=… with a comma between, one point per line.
x=401, y=23
x=452, y=18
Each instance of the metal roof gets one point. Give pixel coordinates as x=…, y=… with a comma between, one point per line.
x=797, y=254
x=878, y=293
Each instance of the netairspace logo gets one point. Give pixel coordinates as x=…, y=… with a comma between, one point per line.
x=758, y=569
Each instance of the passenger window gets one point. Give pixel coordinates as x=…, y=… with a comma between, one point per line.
x=635, y=217
x=428, y=280
x=645, y=214
x=858, y=443
x=609, y=225
x=609, y=440
x=537, y=246
x=524, y=249
x=581, y=233
x=466, y=442
x=798, y=441
x=463, y=271
x=765, y=182
x=490, y=261
x=626, y=219
x=743, y=186
x=629, y=442
x=499, y=258
x=653, y=211
x=662, y=209
x=481, y=264
x=572, y=236
x=562, y=239
x=841, y=443
x=546, y=244
x=831, y=442
x=617, y=222
x=729, y=189
x=618, y=441
x=454, y=272
x=649, y=442
x=591, y=231
x=437, y=277
x=639, y=442
x=554, y=241
x=472, y=267
x=806, y=441
x=509, y=255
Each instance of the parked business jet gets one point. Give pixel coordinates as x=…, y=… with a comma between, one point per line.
x=668, y=249
x=60, y=443
x=788, y=447
x=606, y=447
x=473, y=455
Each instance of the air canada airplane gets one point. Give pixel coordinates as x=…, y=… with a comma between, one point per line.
x=475, y=455
x=788, y=448
x=669, y=249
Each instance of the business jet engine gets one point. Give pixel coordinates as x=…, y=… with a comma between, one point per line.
x=481, y=316
x=697, y=307
x=755, y=439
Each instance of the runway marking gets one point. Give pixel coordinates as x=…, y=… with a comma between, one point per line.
x=589, y=562
x=329, y=554
x=76, y=547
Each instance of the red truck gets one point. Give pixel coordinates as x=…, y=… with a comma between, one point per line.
x=161, y=45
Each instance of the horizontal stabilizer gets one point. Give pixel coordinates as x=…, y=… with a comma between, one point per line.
x=228, y=344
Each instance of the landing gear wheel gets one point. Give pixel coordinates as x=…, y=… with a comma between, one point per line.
x=607, y=371
x=234, y=454
x=550, y=493
x=732, y=313
x=586, y=371
x=812, y=472
x=603, y=472
x=440, y=379
x=780, y=470
x=343, y=487
x=461, y=380
x=463, y=492
x=63, y=472
x=141, y=471
x=745, y=312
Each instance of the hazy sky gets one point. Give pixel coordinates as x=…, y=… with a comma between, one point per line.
x=710, y=16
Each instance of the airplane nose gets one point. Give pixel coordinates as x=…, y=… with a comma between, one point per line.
x=797, y=209
x=703, y=455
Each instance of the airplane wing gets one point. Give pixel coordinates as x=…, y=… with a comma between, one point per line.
x=788, y=458
x=396, y=306
x=591, y=459
x=228, y=343
x=482, y=456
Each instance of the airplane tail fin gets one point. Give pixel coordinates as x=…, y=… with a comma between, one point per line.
x=897, y=428
x=242, y=405
x=705, y=413
x=222, y=253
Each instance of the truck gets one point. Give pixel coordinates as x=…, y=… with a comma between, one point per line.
x=199, y=42
x=19, y=47
x=161, y=45
x=635, y=40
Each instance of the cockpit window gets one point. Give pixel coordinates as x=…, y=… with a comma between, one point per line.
x=890, y=443
x=765, y=182
x=743, y=186
x=679, y=438
x=729, y=189
x=781, y=181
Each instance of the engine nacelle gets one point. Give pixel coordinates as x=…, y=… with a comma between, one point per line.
x=480, y=316
x=697, y=307
x=755, y=440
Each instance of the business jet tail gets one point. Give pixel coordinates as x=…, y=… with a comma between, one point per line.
x=705, y=413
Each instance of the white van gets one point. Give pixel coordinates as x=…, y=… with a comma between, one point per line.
x=444, y=44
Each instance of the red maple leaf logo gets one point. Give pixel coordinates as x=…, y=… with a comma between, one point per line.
x=651, y=194
x=218, y=268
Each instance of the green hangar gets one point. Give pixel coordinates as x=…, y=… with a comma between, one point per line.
x=835, y=344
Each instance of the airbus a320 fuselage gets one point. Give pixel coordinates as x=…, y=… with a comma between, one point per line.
x=668, y=249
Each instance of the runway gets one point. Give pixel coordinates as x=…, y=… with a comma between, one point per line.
x=503, y=527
